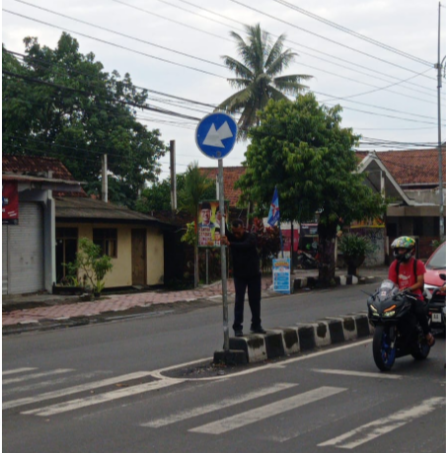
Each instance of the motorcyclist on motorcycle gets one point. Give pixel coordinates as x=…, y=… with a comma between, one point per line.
x=408, y=273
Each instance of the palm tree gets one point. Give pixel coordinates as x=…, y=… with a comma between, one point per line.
x=257, y=76
x=196, y=188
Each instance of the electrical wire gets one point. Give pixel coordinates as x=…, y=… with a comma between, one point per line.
x=353, y=33
x=114, y=44
x=372, y=70
x=99, y=27
x=327, y=39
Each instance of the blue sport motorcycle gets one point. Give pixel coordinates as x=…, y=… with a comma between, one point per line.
x=397, y=330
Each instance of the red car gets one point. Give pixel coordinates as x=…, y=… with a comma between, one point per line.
x=435, y=266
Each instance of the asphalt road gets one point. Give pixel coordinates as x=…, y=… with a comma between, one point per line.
x=93, y=389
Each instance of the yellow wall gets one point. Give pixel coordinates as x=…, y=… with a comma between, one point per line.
x=155, y=256
x=121, y=274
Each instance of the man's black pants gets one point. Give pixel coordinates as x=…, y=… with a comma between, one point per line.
x=419, y=309
x=254, y=294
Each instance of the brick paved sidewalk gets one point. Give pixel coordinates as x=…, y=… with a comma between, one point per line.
x=117, y=303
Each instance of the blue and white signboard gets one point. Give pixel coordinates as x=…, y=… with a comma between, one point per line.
x=282, y=276
x=216, y=135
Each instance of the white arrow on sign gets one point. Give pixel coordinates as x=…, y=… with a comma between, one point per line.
x=214, y=137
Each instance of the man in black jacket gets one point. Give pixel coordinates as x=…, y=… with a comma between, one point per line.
x=246, y=267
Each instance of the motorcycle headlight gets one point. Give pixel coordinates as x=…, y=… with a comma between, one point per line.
x=389, y=314
x=373, y=308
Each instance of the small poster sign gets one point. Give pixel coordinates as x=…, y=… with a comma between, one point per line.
x=282, y=275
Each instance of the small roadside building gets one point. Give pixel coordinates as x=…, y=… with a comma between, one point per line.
x=134, y=241
x=28, y=221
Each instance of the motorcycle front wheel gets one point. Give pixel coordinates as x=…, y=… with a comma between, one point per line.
x=383, y=353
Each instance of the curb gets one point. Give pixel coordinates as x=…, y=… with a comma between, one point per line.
x=283, y=341
x=341, y=280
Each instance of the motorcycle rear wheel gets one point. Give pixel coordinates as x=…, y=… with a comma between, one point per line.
x=383, y=353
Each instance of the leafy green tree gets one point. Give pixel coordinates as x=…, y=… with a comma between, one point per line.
x=196, y=187
x=301, y=149
x=257, y=76
x=157, y=196
x=61, y=103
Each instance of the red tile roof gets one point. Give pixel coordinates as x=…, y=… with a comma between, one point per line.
x=39, y=166
x=35, y=166
x=230, y=176
x=411, y=167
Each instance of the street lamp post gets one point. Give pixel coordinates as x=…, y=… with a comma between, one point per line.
x=439, y=67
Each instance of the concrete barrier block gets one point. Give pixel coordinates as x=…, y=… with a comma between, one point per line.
x=362, y=325
x=290, y=339
x=336, y=330
x=322, y=334
x=253, y=345
x=230, y=358
x=307, y=336
x=274, y=344
x=348, y=327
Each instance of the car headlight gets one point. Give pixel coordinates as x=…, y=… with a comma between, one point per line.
x=389, y=314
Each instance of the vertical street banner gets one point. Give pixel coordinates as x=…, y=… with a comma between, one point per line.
x=209, y=220
x=10, y=203
x=282, y=275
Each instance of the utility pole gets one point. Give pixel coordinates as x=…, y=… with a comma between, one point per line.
x=104, y=179
x=173, y=177
x=439, y=66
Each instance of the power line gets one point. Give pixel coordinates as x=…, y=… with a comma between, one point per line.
x=132, y=104
x=48, y=64
x=326, y=39
x=114, y=44
x=171, y=20
x=353, y=33
x=372, y=70
x=184, y=54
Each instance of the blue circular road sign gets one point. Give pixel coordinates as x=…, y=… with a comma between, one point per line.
x=216, y=134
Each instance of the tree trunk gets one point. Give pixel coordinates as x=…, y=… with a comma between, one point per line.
x=327, y=235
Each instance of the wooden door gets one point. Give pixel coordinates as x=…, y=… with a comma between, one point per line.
x=139, y=257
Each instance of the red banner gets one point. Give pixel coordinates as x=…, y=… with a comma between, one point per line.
x=287, y=240
x=10, y=203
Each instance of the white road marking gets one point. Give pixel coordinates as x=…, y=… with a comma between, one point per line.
x=18, y=370
x=183, y=415
x=158, y=373
x=359, y=374
x=102, y=398
x=377, y=428
x=36, y=375
x=75, y=389
x=260, y=413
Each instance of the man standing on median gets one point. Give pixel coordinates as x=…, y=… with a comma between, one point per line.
x=246, y=271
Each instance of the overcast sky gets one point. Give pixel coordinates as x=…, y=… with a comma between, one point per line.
x=404, y=112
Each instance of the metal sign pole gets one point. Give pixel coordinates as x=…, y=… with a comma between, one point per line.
x=224, y=283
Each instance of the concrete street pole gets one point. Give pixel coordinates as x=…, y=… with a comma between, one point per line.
x=440, y=150
x=224, y=282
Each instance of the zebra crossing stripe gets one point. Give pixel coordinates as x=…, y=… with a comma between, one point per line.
x=217, y=406
x=377, y=428
x=102, y=398
x=359, y=374
x=75, y=389
x=261, y=413
x=36, y=375
x=18, y=370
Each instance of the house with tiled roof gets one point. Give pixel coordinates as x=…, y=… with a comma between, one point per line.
x=411, y=180
x=46, y=212
x=230, y=176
